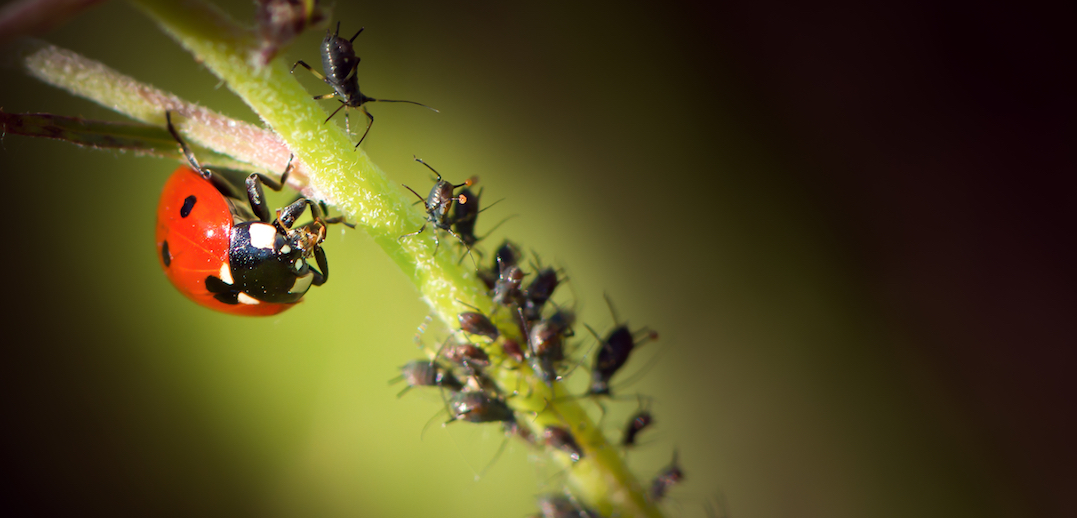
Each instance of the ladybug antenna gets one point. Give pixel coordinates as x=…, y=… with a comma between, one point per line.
x=353, y=37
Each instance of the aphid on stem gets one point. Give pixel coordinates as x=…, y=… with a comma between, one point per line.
x=340, y=65
x=546, y=343
x=466, y=214
x=508, y=254
x=423, y=373
x=438, y=204
x=639, y=421
x=667, y=478
x=613, y=352
x=560, y=438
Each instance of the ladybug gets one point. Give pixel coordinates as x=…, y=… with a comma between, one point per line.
x=227, y=254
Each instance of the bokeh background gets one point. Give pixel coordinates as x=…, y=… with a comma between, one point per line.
x=852, y=225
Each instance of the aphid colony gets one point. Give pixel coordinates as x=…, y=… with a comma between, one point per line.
x=230, y=255
x=457, y=367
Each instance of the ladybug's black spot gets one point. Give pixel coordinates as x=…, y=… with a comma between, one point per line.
x=166, y=256
x=188, y=204
x=222, y=291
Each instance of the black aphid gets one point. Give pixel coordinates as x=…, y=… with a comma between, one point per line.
x=422, y=373
x=561, y=439
x=340, y=65
x=478, y=324
x=507, y=254
x=639, y=422
x=478, y=407
x=507, y=288
x=438, y=206
x=546, y=343
x=613, y=353
x=667, y=478
x=538, y=292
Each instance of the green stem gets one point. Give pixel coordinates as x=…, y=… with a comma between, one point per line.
x=346, y=178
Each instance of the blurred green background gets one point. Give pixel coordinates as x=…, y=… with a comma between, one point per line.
x=849, y=224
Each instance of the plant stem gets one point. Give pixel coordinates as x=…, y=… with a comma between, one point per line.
x=345, y=177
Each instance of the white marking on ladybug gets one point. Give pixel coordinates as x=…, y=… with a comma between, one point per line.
x=285, y=249
x=226, y=274
x=302, y=284
x=247, y=299
x=299, y=264
x=262, y=235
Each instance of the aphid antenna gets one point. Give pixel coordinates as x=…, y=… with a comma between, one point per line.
x=472, y=307
x=421, y=200
x=497, y=455
x=559, y=473
x=635, y=377
x=432, y=418
x=373, y=100
x=576, y=364
x=613, y=312
x=352, y=39
x=428, y=166
x=594, y=333
x=720, y=508
x=536, y=261
x=499, y=223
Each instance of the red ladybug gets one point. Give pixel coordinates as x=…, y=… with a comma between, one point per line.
x=227, y=254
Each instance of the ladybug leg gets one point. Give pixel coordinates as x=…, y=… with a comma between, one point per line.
x=336, y=219
x=286, y=217
x=183, y=146
x=320, y=276
x=255, y=194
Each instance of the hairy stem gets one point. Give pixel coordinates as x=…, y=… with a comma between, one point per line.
x=345, y=177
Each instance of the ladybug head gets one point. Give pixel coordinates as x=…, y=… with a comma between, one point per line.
x=298, y=245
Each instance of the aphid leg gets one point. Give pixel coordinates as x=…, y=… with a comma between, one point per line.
x=311, y=70
x=342, y=105
x=368, y=125
x=417, y=232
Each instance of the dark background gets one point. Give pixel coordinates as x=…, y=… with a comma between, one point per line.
x=852, y=224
